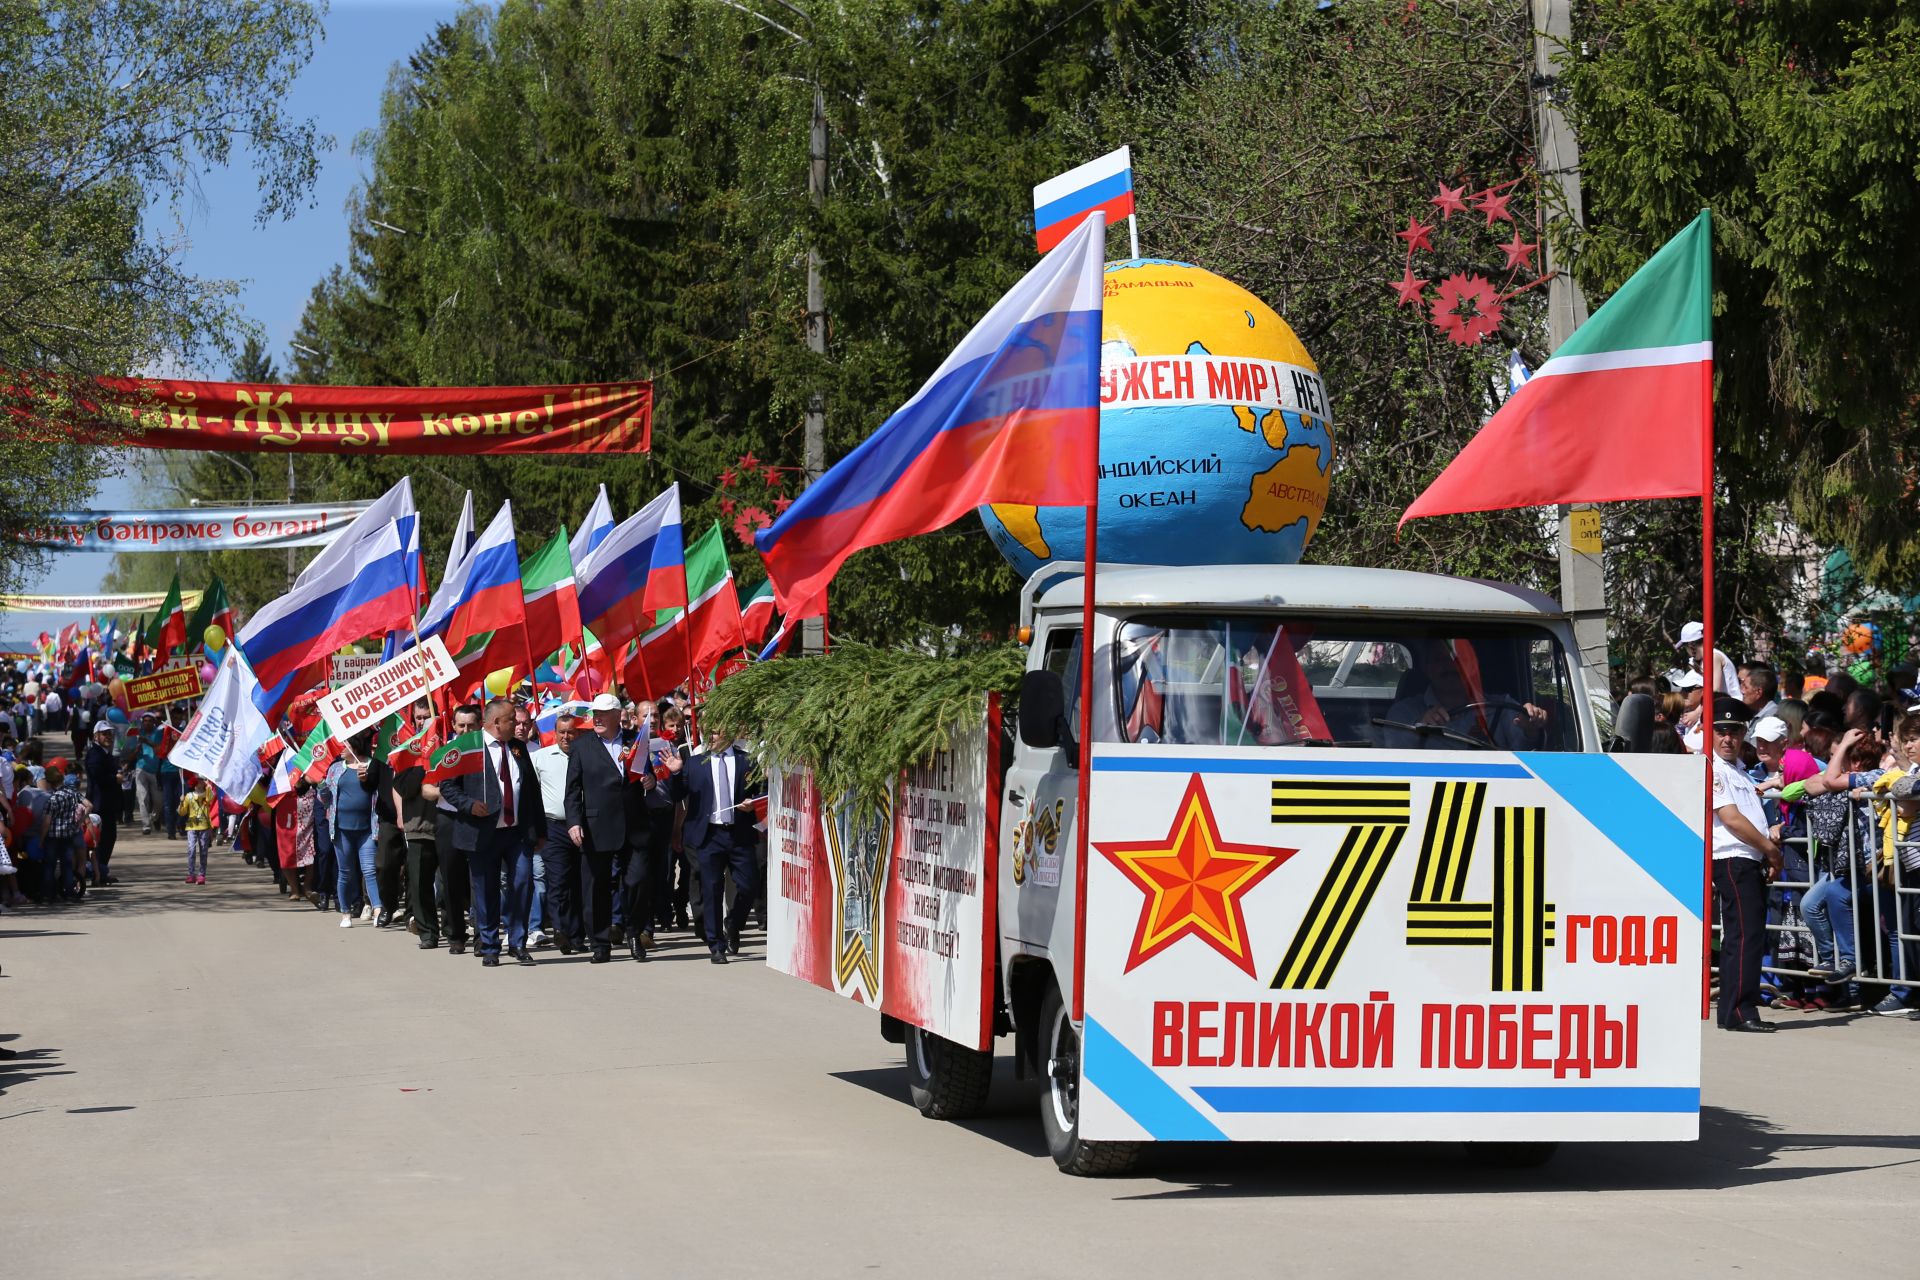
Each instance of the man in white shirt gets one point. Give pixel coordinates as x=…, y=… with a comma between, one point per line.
x=560, y=858
x=1746, y=855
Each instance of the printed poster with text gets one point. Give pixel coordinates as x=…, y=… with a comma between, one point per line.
x=893, y=906
x=1376, y=946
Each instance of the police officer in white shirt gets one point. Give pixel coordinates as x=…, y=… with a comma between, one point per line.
x=1746, y=855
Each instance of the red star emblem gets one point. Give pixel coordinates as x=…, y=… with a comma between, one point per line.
x=1194, y=882
x=1417, y=235
x=726, y=478
x=772, y=474
x=1409, y=287
x=780, y=505
x=1494, y=205
x=1519, y=252
x=1449, y=201
x=749, y=462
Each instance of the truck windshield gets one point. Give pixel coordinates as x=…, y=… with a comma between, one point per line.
x=1340, y=682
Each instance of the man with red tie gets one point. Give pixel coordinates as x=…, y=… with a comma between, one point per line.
x=498, y=814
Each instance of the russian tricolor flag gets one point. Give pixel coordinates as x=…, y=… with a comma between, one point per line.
x=1098, y=186
x=593, y=530
x=365, y=582
x=640, y=567
x=1013, y=415
x=481, y=591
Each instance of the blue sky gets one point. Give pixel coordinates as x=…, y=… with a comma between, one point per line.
x=276, y=264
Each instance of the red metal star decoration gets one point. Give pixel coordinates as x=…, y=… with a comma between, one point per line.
x=748, y=462
x=1409, y=288
x=780, y=505
x=727, y=478
x=772, y=474
x=1418, y=234
x=1519, y=252
x=1466, y=309
x=727, y=505
x=1494, y=204
x=1449, y=201
x=1195, y=883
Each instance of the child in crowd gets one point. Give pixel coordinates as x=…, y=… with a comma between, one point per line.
x=197, y=807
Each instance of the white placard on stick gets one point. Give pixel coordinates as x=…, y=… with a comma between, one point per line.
x=408, y=678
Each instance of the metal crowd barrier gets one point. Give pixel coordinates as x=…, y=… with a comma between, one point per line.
x=1884, y=952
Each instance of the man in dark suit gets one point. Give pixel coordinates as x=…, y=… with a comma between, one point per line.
x=719, y=835
x=598, y=819
x=103, y=791
x=497, y=817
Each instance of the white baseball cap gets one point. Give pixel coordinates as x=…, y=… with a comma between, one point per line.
x=1770, y=729
x=605, y=702
x=1686, y=680
x=1692, y=633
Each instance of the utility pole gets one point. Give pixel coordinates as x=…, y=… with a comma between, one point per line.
x=290, y=569
x=1583, y=581
x=813, y=630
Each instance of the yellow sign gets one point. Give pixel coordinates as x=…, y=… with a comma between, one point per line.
x=1585, y=530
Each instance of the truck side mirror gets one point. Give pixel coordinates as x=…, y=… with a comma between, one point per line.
x=1043, y=707
x=1633, y=725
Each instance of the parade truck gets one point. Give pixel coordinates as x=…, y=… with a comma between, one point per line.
x=1358, y=867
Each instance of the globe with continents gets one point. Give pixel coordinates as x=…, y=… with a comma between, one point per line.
x=1215, y=442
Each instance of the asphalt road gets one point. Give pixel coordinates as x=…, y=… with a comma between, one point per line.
x=213, y=1083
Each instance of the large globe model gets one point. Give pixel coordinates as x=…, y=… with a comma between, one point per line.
x=1215, y=441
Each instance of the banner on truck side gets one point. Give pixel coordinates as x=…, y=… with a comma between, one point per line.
x=1364, y=945
x=894, y=908
x=384, y=690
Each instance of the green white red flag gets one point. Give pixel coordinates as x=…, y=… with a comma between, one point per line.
x=681, y=643
x=756, y=612
x=552, y=601
x=460, y=757
x=1623, y=410
x=170, y=622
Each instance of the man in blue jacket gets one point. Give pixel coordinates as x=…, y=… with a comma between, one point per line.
x=719, y=836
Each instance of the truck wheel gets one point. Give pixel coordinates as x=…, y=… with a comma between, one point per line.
x=947, y=1081
x=1060, y=1104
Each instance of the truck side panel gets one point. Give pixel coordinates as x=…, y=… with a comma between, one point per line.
x=894, y=908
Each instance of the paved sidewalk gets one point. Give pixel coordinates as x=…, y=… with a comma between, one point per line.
x=215, y=1083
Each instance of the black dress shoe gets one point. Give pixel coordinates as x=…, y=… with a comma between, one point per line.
x=1751, y=1024
x=384, y=919
x=523, y=956
x=619, y=934
x=717, y=956
x=637, y=949
x=457, y=947
x=600, y=956
x=566, y=946
x=428, y=941
x=733, y=941
x=490, y=962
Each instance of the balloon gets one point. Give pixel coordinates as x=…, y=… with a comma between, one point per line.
x=588, y=681
x=498, y=682
x=117, y=687
x=116, y=715
x=216, y=656
x=215, y=635
x=1858, y=639
x=206, y=671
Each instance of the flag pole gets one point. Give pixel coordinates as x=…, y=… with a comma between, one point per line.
x=1083, y=803
x=1712, y=685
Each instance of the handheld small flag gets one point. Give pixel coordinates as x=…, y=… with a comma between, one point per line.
x=463, y=756
x=1098, y=186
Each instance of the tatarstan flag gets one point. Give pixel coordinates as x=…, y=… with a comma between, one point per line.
x=460, y=757
x=170, y=622
x=682, y=642
x=213, y=611
x=1624, y=409
x=553, y=603
x=756, y=613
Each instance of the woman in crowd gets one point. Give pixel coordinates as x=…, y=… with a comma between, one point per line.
x=352, y=786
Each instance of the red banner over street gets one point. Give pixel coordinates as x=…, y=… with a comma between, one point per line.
x=169, y=413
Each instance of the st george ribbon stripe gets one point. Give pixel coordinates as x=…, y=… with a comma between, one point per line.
x=1328, y=926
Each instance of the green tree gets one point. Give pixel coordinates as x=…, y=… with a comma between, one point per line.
x=108, y=110
x=1798, y=124
x=576, y=192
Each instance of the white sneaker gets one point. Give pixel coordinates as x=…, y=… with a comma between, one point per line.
x=346, y=922
x=538, y=938
x=366, y=911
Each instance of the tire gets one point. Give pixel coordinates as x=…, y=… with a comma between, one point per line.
x=1060, y=1102
x=946, y=1081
